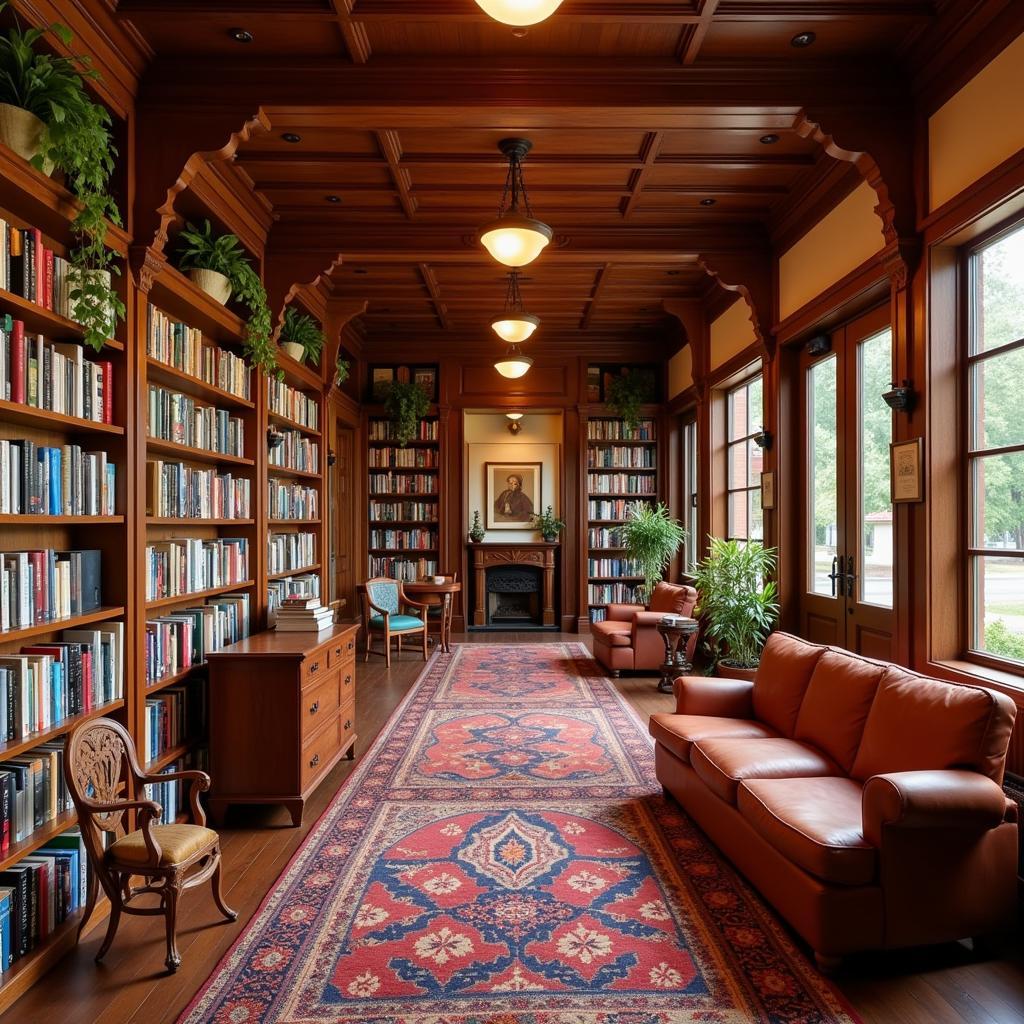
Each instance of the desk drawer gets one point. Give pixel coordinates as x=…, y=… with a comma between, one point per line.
x=318, y=702
x=347, y=674
x=320, y=751
x=341, y=650
x=347, y=721
x=314, y=666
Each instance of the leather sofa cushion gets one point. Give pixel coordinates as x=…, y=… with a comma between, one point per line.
x=781, y=680
x=679, y=732
x=816, y=823
x=837, y=703
x=670, y=597
x=723, y=763
x=917, y=723
x=614, y=634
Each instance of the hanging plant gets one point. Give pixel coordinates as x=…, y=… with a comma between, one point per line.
x=47, y=117
x=342, y=370
x=627, y=393
x=223, y=255
x=301, y=330
x=406, y=404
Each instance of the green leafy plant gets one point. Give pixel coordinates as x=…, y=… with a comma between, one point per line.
x=76, y=140
x=406, y=404
x=627, y=393
x=342, y=370
x=302, y=329
x=549, y=525
x=1002, y=642
x=651, y=538
x=476, y=531
x=200, y=249
x=737, y=599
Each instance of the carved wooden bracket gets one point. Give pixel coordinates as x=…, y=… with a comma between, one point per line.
x=339, y=313
x=692, y=319
x=146, y=265
x=900, y=259
x=750, y=276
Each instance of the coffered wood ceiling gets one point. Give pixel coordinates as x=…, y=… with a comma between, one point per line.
x=647, y=118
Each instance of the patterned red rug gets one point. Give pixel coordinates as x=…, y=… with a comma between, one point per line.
x=503, y=855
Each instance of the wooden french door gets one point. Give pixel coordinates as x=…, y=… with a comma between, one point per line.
x=848, y=523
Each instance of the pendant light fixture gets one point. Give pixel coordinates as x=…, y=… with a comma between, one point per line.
x=514, y=324
x=519, y=12
x=513, y=364
x=515, y=239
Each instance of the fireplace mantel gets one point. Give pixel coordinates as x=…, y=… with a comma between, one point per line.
x=540, y=554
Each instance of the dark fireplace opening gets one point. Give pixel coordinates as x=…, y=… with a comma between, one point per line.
x=513, y=596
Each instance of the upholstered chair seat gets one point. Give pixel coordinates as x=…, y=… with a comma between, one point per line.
x=386, y=614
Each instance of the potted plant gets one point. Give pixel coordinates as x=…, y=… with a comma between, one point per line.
x=220, y=267
x=737, y=602
x=342, y=370
x=549, y=524
x=651, y=538
x=406, y=404
x=476, y=531
x=627, y=393
x=301, y=337
x=47, y=117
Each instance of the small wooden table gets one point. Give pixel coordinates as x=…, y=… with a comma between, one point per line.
x=445, y=591
x=676, y=662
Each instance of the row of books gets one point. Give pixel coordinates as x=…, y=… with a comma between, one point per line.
x=403, y=483
x=287, y=500
x=410, y=511
x=291, y=403
x=171, y=716
x=612, y=593
x=47, y=585
x=598, y=510
x=178, y=490
x=403, y=458
x=383, y=430
x=181, y=419
x=302, y=614
x=604, y=537
x=290, y=551
x=405, y=569
x=39, y=893
x=613, y=567
x=621, y=483
x=615, y=430
x=183, y=639
x=54, y=376
x=170, y=796
x=65, y=481
x=622, y=457
x=32, y=792
x=54, y=680
x=598, y=614
x=403, y=540
x=296, y=452
x=304, y=585
x=176, y=344
x=189, y=565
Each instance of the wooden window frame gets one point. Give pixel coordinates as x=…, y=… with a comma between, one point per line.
x=732, y=442
x=689, y=482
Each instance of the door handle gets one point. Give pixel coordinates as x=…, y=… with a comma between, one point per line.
x=850, y=575
x=835, y=574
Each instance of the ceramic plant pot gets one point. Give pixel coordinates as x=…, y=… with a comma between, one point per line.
x=216, y=285
x=728, y=671
x=294, y=350
x=22, y=131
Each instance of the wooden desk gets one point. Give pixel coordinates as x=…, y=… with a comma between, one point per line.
x=426, y=588
x=282, y=714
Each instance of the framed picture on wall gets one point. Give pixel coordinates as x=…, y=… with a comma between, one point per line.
x=513, y=494
x=593, y=383
x=381, y=378
x=426, y=378
x=768, y=489
x=905, y=480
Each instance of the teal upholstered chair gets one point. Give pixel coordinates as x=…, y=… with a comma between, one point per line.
x=385, y=613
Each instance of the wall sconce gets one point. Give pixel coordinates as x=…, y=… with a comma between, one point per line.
x=763, y=439
x=274, y=439
x=819, y=345
x=514, y=426
x=900, y=398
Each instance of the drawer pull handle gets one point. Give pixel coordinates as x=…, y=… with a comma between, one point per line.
x=348, y=680
x=351, y=644
x=348, y=724
x=314, y=760
x=337, y=652
x=314, y=707
x=315, y=667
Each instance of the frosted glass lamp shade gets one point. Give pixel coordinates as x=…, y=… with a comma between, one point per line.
x=514, y=365
x=515, y=240
x=515, y=327
x=519, y=12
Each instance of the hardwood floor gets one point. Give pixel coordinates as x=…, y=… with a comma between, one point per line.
x=945, y=985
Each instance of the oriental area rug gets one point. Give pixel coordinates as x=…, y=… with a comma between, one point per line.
x=504, y=855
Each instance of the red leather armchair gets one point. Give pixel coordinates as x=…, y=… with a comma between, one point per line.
x=629, y=637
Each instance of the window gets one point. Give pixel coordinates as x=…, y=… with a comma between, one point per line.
x=995, y=459
x=690, y=521
x=744, y=461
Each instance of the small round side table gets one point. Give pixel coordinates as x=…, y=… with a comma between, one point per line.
x=676, y=663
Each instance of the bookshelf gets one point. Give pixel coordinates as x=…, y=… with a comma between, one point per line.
x=81, y=415
x=621, y=468
x=404, y=501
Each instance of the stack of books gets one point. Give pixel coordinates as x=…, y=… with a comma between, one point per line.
x=303, y=615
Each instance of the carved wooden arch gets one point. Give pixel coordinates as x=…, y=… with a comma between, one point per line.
x=750, y=276
x=690, y=314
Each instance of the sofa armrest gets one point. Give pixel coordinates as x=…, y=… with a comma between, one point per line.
x=646, y=620
x=720, y=698
x=931, y=799
x=623, y=612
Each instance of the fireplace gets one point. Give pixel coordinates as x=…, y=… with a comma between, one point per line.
x=512, y=586
x=513, y=595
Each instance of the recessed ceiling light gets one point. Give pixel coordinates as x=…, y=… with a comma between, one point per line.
x=333, y=199
x=291, y=137
x=769, y=140
x=672, y=273
x=803, y=39
x=240, y=35
x=708, y=202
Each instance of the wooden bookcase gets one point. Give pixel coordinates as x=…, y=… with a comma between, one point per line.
x=621, y=467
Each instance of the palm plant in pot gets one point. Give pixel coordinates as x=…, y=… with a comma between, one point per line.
x=651, y=538
x=737, y=602
x=301, y=337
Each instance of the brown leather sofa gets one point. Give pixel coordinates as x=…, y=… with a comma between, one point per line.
x=629, y=639
x=863, y=800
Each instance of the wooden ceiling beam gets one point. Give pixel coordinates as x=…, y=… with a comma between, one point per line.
x=434, y=290
x=648, y=157
x=357, y=42
x=691, y=37
x=391, y=149
x=600, y=280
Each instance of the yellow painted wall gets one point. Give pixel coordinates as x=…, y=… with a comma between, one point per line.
x=732, y=332
x=680, y=371
x=979, y=128
x=840, y=242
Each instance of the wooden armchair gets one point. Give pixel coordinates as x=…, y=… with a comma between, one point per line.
x=105, y=782
x=384, y=614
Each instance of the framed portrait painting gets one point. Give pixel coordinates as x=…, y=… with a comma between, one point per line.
x=513, y=494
